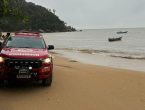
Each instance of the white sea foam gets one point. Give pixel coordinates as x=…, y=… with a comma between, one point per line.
x=97, y=59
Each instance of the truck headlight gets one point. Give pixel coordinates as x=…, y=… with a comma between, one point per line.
x=1, y=59
x=47, y=60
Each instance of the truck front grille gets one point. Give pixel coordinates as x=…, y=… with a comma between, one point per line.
x=23, y=63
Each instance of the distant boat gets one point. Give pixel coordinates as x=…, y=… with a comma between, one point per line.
x=122, y=32
x=114, y=39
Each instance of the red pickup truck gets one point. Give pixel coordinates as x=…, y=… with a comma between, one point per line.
x=25, y=56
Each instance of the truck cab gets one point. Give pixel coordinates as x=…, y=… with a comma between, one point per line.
x=25, y=56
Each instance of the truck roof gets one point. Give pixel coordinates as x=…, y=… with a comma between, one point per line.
x=28, y=34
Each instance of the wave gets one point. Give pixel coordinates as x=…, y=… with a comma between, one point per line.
x=126, y=55
x=130, y=56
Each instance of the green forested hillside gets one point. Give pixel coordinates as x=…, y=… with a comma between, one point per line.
x=35, y=18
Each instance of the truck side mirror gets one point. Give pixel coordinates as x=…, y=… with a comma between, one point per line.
x=50, y=47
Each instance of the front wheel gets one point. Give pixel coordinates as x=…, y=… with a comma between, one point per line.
x=47, y=81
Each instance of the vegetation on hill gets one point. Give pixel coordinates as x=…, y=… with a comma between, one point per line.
x=16, y=15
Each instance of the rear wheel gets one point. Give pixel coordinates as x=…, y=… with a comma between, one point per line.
x=47, y=81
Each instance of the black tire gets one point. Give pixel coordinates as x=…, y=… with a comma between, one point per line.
x=47, y=81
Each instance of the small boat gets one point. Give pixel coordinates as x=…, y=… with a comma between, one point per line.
x=114, y=39
x=122, y=32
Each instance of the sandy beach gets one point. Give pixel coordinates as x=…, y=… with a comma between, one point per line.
x=78, y=86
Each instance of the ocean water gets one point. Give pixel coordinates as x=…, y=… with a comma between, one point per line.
x=94, y=42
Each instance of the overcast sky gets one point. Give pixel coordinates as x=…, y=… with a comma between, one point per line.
x=98, y=13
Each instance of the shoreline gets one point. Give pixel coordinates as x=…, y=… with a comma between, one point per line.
x=103, y=60
x=65, y=60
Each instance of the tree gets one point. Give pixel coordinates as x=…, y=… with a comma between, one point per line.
x=7, y=9
x=19, y=15
x=54, y=11
x=4, y=7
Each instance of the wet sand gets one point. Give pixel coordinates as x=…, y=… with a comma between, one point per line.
x=78, y=86
x=104, y=60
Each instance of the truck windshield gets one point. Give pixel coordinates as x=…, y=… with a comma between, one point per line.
x=25, y=42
